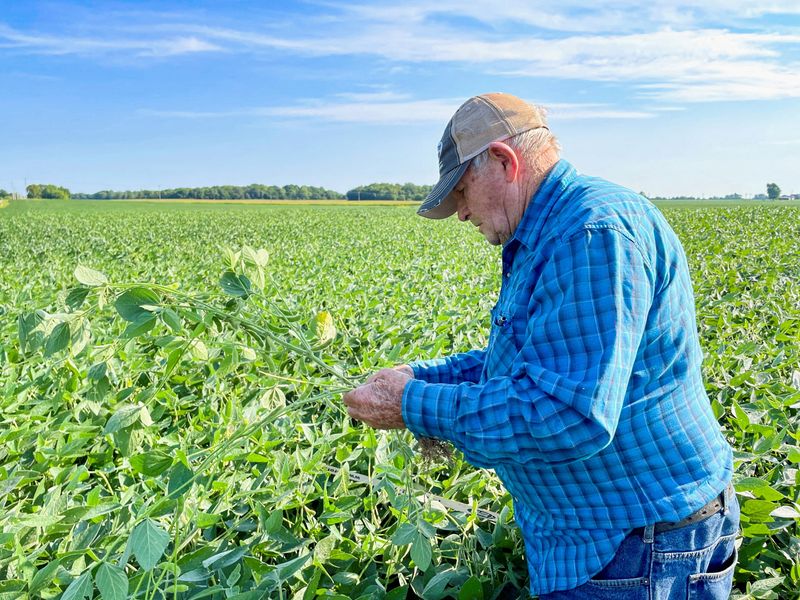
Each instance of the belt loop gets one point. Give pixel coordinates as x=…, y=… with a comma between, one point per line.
x=649, y=534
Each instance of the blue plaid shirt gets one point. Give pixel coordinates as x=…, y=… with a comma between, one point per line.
x=588, y=400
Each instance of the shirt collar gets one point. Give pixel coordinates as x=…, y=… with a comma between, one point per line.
x=541, y=205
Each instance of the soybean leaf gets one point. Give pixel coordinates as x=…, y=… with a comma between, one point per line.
x=30, y=336
x=285, y=570
x=398, y=593
x=235, y=285
x=759, y=487
x=765, y=585
x=57, y=340
x=173, y=359
x=405, y=534
x=90, y=277
x=323, y=549
x=80, y=588
x=43, y=576
x=148, y=542
x=421, y=552
x=198, y=349
x=471, y=589
x=97, y=371
x=139, y=327
x=173, y=321
x=151, y=463
x=785, y=512
x=122, y=418
x=112, y=582
x=24, y=328
x=136, y=303
x=258, y=257
x=224, y=559
x=180, y=478
x=76, y=296
x=436, y=586
x=325, y=329
x=81, y=338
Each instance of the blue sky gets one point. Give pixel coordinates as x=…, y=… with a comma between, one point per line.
x=671, y=97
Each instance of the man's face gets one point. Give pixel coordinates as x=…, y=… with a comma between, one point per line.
x=481, y=198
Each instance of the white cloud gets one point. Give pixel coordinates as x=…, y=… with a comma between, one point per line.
x=576, y=15
x=378, y=109
x=676, y=65
x=382, y=109
x=572, y=112
x=795, y=142
x=63, y=45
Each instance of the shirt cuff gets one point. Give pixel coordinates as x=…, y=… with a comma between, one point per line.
x=429, y=409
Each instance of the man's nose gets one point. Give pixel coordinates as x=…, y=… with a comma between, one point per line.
x=461, y=209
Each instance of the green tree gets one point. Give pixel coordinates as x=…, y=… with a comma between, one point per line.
x=773, y=191
x=4, y=194
x=48, y=190
x=389, y=191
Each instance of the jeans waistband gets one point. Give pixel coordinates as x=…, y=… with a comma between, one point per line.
x=720, y=502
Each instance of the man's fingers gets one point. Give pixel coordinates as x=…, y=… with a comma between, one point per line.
x=379, y=375
x=358, y=413
x=407, y=370
x=379, y=403
x=358, y=396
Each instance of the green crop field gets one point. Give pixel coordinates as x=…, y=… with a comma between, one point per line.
x=171, y=423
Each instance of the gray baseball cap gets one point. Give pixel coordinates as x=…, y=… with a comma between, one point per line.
x=477, y=123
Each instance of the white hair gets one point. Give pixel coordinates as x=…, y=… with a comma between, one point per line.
x=529, y=144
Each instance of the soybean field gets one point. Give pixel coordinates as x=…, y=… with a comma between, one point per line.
x=171, y=424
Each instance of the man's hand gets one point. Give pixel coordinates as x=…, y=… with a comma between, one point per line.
x=378, y=402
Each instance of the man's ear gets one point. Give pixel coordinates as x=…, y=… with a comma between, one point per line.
x=507, y=157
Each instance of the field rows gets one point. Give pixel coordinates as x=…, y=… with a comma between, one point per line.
x=171, y=409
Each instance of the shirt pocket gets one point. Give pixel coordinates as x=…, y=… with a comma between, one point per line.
x=501, y=347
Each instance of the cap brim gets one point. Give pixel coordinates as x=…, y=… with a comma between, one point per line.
x=439, y=204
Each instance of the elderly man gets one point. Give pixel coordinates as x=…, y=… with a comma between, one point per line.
x=588, y=399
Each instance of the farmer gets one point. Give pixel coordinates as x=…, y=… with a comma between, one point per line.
x=588, y=400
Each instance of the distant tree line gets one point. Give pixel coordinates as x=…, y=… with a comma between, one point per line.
x=255, y=191
x=373, y=191
x=4, y=194
x=389, y=191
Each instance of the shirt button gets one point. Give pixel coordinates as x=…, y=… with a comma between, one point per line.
x=508, y=274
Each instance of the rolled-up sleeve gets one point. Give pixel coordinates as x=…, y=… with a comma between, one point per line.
x=560, y=396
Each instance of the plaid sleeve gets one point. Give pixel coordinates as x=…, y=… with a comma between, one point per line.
x=455, y=368
x=562, y=395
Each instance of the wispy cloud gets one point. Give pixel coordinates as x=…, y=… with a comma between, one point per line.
x=574, y=112
x=336, y=109
x=387, y=108
x=674, y=65
x=64, y=45
x=576, y=15
x=793, y=142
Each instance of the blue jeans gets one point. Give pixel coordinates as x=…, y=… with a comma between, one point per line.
x=695, y=561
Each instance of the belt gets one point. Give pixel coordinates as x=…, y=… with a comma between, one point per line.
x=702, y=513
